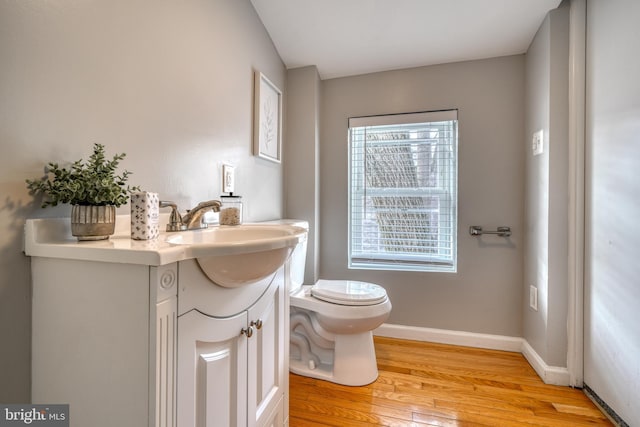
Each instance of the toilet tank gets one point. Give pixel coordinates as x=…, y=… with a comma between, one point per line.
x=298, y=261
x=298, y=256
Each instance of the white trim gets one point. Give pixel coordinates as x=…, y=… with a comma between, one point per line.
x=443, y=336
x=577, y=99
x=549, y=374
x=404, y=118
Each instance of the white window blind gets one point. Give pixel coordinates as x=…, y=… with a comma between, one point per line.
x=403, y=191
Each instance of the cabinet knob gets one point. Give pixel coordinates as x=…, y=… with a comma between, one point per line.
x=256, y=323
x=247, y=331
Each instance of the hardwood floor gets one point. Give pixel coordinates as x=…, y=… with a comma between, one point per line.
x=424, y=384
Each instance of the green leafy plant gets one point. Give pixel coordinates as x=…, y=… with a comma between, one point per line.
x=94, y=182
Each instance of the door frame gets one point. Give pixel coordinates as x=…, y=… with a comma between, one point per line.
x=577, y=122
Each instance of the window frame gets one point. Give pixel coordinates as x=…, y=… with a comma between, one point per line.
x=357, y=259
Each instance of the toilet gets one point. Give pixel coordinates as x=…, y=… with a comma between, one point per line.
x=331, y=324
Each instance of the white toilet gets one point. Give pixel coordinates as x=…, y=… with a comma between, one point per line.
x=331, y=325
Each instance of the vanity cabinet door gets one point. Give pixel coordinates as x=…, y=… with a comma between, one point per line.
x=212, y=374
x=232, y=369
x=266, y=367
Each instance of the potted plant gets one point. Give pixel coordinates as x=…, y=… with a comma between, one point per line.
x=93, y=188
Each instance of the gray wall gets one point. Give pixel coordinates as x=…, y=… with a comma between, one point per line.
x=612, y=303
x=168, y=82
x=485, y=294
x=302, y=157
x=546, y=194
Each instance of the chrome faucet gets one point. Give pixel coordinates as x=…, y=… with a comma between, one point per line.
x=192, y=220
x=193, y=217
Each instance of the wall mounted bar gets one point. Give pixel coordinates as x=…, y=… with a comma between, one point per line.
x=476, y=230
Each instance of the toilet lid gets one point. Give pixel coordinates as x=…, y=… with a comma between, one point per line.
x=348, y=292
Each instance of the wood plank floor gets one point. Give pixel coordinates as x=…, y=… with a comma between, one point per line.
x=425, y=384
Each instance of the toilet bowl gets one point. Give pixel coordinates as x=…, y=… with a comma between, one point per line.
x=333, y=340
x=331, y=324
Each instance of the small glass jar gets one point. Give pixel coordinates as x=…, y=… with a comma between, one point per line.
x=231, y=210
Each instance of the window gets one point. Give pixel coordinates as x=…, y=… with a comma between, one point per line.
x=403, y=191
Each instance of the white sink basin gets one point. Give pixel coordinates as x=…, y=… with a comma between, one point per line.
x=233, y=256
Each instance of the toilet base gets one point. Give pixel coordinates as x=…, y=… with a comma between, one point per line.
x=354, y=362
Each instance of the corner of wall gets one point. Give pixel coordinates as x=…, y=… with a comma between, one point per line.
x=301, y=179
x=547, y=189
x=549, y=374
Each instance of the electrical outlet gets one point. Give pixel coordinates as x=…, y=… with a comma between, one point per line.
x=533, y=297
x=538, y=142
x=228, y=178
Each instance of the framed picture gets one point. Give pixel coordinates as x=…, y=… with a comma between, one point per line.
x=267, y=120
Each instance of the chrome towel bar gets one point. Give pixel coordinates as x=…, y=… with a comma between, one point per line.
x=476, y=230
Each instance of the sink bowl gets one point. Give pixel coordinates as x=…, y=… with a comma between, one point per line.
x=234, y=256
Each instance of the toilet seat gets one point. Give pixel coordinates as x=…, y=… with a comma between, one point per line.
x=348, y=292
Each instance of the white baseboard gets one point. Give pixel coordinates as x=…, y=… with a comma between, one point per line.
x=549, y=374
x=443, y=336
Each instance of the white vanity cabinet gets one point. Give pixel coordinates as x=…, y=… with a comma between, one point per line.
x=108, y=341
x=134, y=334
x=103, y=341
x=232, y=349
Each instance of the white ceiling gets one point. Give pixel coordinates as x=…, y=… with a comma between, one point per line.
x=350, y=37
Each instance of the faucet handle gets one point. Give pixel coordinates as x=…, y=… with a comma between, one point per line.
x=175, y=220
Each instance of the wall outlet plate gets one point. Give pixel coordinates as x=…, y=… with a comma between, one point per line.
x=228, y=178
x=538, y=142
x=533, y=297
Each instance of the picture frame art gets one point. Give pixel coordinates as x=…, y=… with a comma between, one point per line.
x=267, y=126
